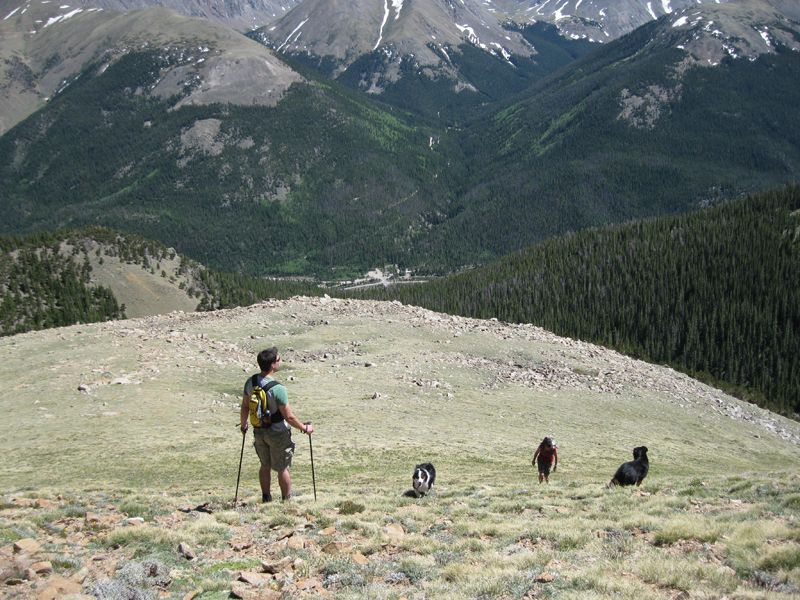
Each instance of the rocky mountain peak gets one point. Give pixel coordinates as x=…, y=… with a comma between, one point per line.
x=422, y=29
x=736, y=29
x=45, y=45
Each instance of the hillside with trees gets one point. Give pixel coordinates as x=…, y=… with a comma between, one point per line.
x=50, y=279
x=713, y=293
x=626, y=132
x=326, y=181
x=42, y=289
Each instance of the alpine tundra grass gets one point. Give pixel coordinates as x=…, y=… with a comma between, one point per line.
x=667, y=539
x=121, y=447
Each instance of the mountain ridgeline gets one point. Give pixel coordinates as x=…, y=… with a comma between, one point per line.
x=470, y=77
x=395, y=161
x=713, y=293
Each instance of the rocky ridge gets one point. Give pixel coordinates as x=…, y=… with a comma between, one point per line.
x=605, y=371
x=47, y=45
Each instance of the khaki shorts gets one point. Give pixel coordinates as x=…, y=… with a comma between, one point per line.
x=274, y=448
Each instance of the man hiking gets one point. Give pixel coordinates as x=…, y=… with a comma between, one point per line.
x=273, y=437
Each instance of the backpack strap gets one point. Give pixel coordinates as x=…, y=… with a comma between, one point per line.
x=278, y=416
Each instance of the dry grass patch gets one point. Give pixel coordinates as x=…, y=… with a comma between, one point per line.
x=559, y=541
x=145, y=539
x=689, y=527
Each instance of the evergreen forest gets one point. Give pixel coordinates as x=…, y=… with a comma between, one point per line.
x=296, y=189
x=41, y=288
x=713, y=293
x=333, y=182
x=46, y=279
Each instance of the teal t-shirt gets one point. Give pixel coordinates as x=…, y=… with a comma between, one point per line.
x=276, y=396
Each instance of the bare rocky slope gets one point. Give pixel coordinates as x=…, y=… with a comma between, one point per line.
x=598, y=21
x=346, y=30
x=45, y=45
x=241, y=15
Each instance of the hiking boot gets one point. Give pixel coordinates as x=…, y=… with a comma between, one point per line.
x=266, y=497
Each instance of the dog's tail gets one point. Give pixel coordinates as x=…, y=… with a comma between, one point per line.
x=612, y=484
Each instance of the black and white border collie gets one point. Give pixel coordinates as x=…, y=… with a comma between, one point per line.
x=424, y=476
x=634, y=471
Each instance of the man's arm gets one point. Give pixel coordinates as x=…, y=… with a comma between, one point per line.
x=287, y=413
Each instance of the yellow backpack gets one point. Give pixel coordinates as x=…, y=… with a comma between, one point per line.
x=259, y=412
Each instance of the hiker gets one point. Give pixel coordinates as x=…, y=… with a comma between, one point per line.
x=547, y=455
x=273, y=440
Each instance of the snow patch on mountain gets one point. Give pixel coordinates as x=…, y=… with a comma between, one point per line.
x=398, y=6
x=296, y=30
x=63, y=17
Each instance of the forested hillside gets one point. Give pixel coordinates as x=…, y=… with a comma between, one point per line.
x=713, y=292
x=629, y=131
x=46, y=279
x=431, y=175
x=324, y=183
x=42, y=288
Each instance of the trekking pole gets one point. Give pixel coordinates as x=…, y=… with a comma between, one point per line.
x=236, y=496
x=313, y=476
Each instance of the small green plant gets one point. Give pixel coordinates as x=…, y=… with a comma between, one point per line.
x=134, y=508
x=784, y=557
x=791, y=501
x=8, y=534
x=65, y=563
x=343, y=573
x=350, y=508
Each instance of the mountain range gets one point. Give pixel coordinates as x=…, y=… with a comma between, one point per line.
x=345, y=30
x=430, y=135
x=575, y=18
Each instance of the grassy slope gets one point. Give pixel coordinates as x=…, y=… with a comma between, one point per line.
x=167, y=425
x=719, y=506
x=143, y=293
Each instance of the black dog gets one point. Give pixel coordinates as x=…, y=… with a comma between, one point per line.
x=424, y=476
x=632, y=472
